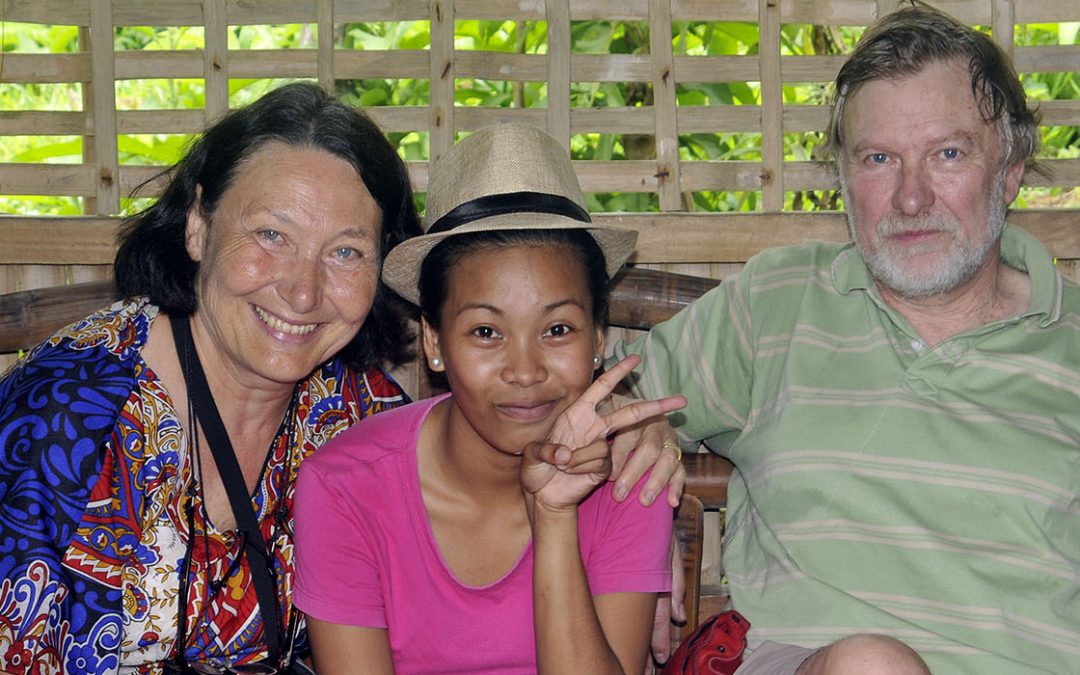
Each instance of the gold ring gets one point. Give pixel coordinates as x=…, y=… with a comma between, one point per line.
x=668, y=445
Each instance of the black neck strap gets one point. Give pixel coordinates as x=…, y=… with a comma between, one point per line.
x=510, y=202
x=259, y=559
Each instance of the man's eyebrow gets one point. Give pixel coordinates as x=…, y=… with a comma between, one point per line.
x=960, y=135
x=956, y=136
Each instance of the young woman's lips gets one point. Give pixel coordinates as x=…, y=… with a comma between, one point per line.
x=526, y=411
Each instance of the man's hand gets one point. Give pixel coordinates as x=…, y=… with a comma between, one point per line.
x=636, y=449
x=670, y=608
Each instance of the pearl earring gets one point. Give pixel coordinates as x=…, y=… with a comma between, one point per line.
x=596, y=360
x=436, y=363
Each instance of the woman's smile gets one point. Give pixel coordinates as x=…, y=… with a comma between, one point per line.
x=282, y=326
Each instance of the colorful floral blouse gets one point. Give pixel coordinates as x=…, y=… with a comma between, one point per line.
x=94, y=478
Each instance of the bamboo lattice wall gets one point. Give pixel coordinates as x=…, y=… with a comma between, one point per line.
x=37, y=251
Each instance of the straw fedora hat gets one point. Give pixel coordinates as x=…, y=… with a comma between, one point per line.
x=504, y=177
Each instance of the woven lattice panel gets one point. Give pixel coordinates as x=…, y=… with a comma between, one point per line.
x=673, y=235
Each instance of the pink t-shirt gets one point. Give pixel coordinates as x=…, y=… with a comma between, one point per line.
x=366, y=555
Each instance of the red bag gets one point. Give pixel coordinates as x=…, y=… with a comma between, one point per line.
x=715, y=648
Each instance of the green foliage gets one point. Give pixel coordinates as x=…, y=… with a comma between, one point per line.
x=1058, y=142
x=387, y=35
x=690, y=38
x=42, y=206
x=36, y=38
x=150, y=38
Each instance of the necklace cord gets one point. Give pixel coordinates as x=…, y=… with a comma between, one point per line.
x=205, y=413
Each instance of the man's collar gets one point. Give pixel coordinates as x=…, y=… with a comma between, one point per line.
x=849, y=272
x=1021, y=250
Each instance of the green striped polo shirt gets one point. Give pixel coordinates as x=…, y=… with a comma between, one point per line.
x=883, y=485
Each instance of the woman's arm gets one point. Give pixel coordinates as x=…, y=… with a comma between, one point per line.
x=571, y=635
x=58, y=412
x=576, y=633
x=338, y=648
x=621, y=616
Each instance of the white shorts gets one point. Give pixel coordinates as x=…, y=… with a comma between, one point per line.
x=774, y=658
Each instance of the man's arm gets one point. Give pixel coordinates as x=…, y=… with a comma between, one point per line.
x=704, y=353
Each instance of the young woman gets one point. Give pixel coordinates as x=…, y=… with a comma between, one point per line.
x=447, y=536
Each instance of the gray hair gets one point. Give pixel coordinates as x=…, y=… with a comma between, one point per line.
x=906, y=41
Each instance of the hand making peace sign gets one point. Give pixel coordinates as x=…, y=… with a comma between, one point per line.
x=560, y=472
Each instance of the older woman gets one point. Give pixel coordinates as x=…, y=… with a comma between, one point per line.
x=149, y=451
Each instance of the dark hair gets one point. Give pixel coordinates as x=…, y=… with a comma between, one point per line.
x=152, y=259
x=904, y=42
x=435, y=270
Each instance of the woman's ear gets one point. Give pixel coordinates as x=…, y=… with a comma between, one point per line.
x=431, y=346
x=195, y=230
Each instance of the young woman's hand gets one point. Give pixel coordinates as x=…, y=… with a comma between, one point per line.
x=559, y=473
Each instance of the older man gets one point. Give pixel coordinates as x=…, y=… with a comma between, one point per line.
x=903, y=411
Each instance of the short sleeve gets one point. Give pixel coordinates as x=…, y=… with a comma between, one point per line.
x=626, y=546
x=337, y=573
x=704, y=352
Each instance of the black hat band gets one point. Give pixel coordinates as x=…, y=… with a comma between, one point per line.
x=510, y=202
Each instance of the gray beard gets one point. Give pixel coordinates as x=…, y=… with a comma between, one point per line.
x=963, y=259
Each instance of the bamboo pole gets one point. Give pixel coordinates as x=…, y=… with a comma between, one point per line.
x=325, y=22
x=107, y=194
x=441, y=116
x=216, y=58
x=772, y=106
x=558, y=70
x=1002, y=22
x=668, y=167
